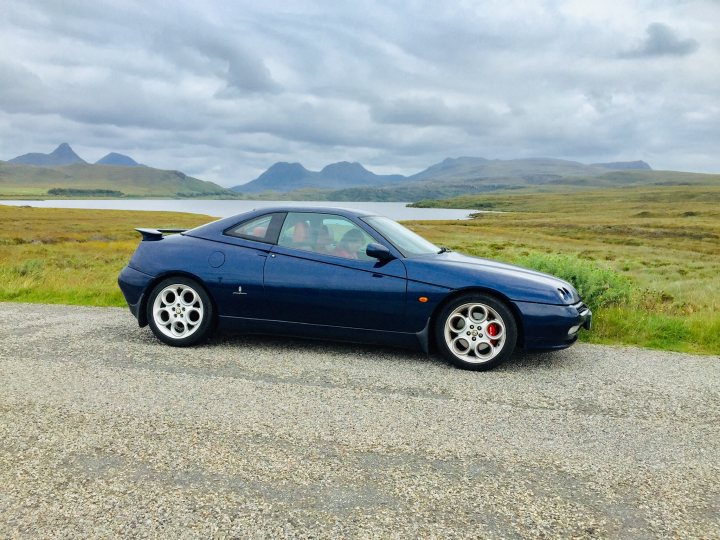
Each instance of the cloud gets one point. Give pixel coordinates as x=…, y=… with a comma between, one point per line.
x=431, y=111
x=20, y=89
x=661, y=40
x=223, y=89
x=207, y=52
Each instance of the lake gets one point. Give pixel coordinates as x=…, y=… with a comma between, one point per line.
x=224, y=208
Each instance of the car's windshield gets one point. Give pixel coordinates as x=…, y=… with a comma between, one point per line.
x=406, y=241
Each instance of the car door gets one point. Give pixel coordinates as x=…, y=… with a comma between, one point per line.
x=235, y=276
x=318, y=274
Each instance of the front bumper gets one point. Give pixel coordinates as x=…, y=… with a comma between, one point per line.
x=547, y=327
x=585, y=317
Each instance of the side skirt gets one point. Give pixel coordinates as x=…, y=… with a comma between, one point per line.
x=406, y=340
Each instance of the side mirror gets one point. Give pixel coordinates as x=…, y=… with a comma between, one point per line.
x=379, y=252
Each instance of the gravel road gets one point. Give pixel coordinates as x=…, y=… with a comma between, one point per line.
x=106, y=432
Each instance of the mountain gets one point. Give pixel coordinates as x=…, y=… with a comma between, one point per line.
x=284, y=177
x=64, y=173
x=454, y=177
x=113, y=158
x=469, y=173
x=278, y=177
x=452, y=167
x=86, y=180
x=528, y=169
x=625, y=165
x=348, y=174
x=65, y=155
x=429, y=189
x=62, y=155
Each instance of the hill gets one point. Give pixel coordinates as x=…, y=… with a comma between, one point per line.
x=62, y=155
x=468, y=168
x=284, y=177
x=345, y=174
x=624, y=165
x=83, y=179
x=639, y=181
x=113, y=158
x=459, y=175
x=65, y=174
x=429, y=190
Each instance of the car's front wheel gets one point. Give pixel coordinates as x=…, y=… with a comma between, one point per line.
x=179, y=312
x=476, y=331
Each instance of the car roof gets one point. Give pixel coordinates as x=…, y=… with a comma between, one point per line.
x=314, y=209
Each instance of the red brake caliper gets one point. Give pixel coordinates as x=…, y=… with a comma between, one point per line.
x=492, y=331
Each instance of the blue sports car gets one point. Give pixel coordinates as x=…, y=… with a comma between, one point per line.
x=347, y=275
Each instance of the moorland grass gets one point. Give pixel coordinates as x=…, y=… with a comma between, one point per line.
x=647, y=260
x=72, y=256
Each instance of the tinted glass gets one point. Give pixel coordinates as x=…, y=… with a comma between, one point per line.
x=256, y=229
x=328, y=234
x=406, y=241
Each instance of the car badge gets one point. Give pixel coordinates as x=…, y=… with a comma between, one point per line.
x=239, y=291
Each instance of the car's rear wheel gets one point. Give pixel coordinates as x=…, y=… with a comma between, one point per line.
x=179, y=312
x=476, y=331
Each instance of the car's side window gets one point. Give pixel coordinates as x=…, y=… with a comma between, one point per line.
x=261, y=229
x=328, y=234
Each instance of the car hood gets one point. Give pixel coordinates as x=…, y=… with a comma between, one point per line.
x=458, y=271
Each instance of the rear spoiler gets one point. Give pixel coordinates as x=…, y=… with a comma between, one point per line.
x=157, y=234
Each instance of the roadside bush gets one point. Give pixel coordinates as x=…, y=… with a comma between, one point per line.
x=31, y=267
x=598, y=286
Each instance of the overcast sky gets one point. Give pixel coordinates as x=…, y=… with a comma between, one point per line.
x=223, y=89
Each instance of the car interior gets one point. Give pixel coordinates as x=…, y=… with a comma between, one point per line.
x=320, y=235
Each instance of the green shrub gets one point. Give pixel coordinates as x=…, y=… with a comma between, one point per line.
x=76, y=192
x=598, y=286
x=31, y=267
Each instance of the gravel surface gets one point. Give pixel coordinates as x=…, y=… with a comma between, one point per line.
x=106, y=432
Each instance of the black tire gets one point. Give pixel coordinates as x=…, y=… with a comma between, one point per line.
x=192, y=312
x=471, y=330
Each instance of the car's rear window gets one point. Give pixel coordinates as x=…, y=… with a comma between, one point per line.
x=264, y=228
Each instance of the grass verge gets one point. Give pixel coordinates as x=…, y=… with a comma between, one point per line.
x=646, y=260
x=72, y=256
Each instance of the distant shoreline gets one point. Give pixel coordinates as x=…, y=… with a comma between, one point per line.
x=228, y=207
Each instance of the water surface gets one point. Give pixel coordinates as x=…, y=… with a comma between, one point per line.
x=224, y=208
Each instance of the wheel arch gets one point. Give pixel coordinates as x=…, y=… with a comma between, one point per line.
x=483, y=290
x=142, y=310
